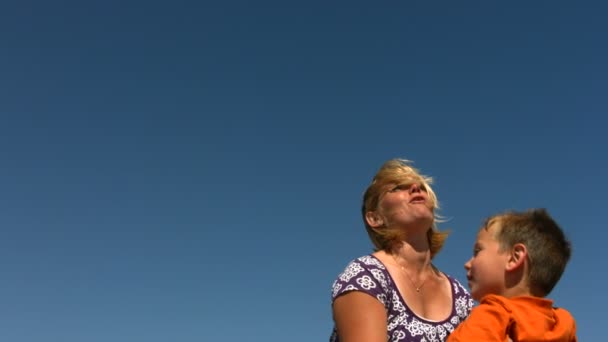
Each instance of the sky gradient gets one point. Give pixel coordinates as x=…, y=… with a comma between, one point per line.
x=193, y=171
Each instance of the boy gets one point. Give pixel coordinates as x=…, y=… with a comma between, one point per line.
x=517, y=260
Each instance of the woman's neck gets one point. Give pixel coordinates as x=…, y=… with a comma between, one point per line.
x=415, y=259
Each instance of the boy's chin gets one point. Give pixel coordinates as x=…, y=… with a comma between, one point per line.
x=476, y=295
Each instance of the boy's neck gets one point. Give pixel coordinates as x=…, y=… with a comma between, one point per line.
x=519, y=289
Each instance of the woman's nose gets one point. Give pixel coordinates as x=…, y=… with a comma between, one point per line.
x=415, y=188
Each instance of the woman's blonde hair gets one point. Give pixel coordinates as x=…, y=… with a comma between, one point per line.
x=392, y=173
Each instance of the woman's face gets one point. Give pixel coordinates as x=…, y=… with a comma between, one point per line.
x=406, y=205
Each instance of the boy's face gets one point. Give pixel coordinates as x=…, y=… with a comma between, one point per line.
x=486, y=269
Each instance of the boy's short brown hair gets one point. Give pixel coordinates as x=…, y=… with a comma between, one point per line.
x=548, y=248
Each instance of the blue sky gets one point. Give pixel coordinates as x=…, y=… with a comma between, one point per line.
x=192, y=171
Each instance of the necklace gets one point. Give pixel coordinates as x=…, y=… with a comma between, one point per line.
x=417, y=288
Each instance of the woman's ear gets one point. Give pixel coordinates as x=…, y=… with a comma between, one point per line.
x=373, y=219
x=517, y=256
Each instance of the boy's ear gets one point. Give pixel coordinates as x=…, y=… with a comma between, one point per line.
x=517, y=256
x=373, y=219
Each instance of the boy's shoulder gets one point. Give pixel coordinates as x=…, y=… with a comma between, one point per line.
x=523, y=305
x=563, y=314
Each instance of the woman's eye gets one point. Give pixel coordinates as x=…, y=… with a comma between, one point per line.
x=400, y=188
x=405, y=187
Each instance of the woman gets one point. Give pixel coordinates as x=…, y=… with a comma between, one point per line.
x=396, y=293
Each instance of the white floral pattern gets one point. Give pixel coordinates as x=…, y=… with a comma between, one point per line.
x=369, y=275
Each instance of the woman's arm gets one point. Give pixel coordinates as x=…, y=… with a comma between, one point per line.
x=360, y=317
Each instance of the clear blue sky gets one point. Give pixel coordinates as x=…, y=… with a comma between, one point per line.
x=192, y=171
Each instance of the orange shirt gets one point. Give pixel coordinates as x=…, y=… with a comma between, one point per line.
x=523, y=319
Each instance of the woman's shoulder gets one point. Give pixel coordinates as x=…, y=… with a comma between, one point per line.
x=367, y=262
x=363, y=264
x=370, y=261
x=363, y=273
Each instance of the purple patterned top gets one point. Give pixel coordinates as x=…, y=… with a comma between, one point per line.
x=368, y=274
